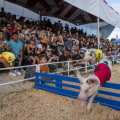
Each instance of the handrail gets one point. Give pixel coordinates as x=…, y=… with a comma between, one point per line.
x=38, y=69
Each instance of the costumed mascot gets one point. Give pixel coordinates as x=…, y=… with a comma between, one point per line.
x=8, y=56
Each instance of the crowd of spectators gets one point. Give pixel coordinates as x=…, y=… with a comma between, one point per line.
x=40, y=42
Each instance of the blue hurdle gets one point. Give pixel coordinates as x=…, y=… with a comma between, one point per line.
x=57, y=85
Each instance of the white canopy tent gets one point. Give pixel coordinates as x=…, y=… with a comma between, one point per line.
x=100, y=9
x=105, y=28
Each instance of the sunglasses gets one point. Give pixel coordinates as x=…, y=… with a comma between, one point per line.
x=49, y=51
x=8, y=26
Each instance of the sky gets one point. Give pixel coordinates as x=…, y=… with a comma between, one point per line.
x=116, y=5
x=112, y=2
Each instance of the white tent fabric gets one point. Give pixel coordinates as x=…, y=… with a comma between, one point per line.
x=99, y=8
x=106, y=31
x=105, y=28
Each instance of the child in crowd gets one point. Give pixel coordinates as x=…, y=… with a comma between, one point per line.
x=43, y=68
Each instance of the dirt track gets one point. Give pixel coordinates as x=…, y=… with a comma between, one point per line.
x=33, y=104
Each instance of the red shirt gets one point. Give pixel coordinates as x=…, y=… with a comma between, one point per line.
x=103, y=72
x=15, y=29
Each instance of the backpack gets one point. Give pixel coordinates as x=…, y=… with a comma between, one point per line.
x=30, y=73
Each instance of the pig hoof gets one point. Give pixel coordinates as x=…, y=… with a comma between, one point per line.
x=82, y=104
x=88, y=108
x=89, y=111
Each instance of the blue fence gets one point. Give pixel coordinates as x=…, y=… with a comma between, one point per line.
x=56, y=84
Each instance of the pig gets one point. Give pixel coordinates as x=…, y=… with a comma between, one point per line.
x=88, y=54
x=89, y=86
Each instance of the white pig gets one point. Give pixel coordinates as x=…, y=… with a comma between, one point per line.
x=88, y=54
x=90, y=85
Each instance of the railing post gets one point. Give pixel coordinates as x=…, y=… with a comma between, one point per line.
x=37, y=68
x=86, y=67
x=113, y=59
x=68, y=68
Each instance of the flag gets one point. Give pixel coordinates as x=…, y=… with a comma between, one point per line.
x=116, y=36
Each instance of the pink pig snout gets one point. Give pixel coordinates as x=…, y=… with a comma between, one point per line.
x=81, y=96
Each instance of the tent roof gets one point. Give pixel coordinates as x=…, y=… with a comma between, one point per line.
x=73, y=10
x=59, y=9
x=99, y=8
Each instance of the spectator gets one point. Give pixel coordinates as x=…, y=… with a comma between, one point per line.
x=118, y=56
x=64, y=57
x=60, y=44
x=22, y=35
x=68, y=43
x=2, y=13
x=32, y=51
x=87, y=45
x=43, y=68
x=81, y=44
x=16, y=47
x=53, y=44
x=3, y=43
x=41, y=35
x=92, y=46
x=113, y=55
x=51, y=58
x=4, y=48
x=74, y=46
x=9, y=31
x=95, y=45
x=6, y=35
x=34, y=38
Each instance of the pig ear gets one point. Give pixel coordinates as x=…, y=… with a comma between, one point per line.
x=80, y=77
x=93, y=81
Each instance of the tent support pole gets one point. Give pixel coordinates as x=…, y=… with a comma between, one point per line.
x=23, y=11
x=98, y=31
x=40, y=17
x=4, y=5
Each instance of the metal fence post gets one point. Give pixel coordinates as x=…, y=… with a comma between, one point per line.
x=113, y=59
x=68, y=68
x=38, y=68
x=86, y=67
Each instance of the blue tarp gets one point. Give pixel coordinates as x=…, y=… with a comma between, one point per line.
x=116, y=41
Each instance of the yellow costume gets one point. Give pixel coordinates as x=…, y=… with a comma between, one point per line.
x=98, y=54
x=8, y=56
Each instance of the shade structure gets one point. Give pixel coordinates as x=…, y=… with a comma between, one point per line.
x=77, y=12
x=98, y=8
x=59, y=9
